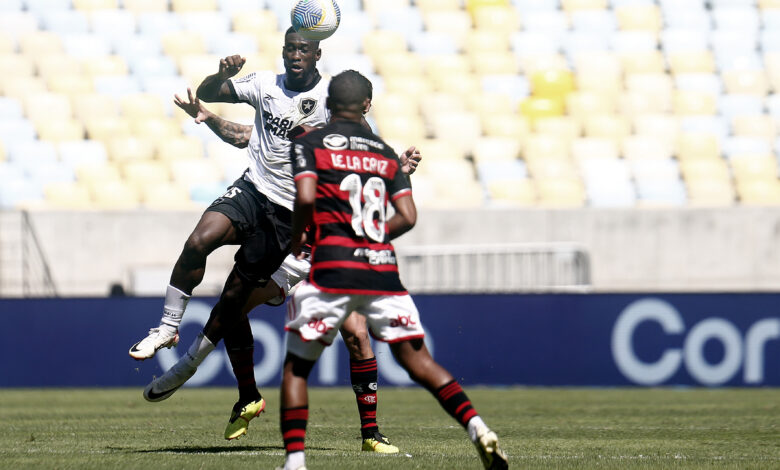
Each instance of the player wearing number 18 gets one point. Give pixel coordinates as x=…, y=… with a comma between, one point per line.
x=345, y=176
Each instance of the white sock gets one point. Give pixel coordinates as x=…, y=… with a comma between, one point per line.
x=474, y=425
x=175, y=304
x=199, y=349
x=294, y=460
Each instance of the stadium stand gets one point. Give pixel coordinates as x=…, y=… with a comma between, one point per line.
x=543, y=103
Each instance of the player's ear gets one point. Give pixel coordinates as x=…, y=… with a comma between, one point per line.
x=318, y=54
x=366, y=106
x=329, y=104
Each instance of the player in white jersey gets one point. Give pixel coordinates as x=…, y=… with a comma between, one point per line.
x=282, y=102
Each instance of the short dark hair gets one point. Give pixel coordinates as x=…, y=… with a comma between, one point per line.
x=350, y=88
x=291, y=30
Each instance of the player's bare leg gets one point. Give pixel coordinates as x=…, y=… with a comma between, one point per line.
x=364, y=377
x=212, y=231
x=294, y=411
x=413, y=356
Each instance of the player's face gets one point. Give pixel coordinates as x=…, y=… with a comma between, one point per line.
x=300, y=58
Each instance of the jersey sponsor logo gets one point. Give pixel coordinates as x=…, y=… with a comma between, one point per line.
x=335, y=142
x=307, y=106
x=277, y=126
x=300, y=158
x=402, y=320
x=361, y=143
x=363, y=164
x=246, y=78
x=375, y=257
x=368, y=399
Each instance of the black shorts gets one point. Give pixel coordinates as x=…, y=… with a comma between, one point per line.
x=264, y=230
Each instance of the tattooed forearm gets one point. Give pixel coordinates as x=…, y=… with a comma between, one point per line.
x=233, y=133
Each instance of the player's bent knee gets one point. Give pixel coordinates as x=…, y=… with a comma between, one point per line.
x=309, y=350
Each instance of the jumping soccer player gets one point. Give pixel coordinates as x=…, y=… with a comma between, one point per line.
x=345, y=176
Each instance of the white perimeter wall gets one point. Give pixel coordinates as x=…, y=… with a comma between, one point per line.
x=636, y=250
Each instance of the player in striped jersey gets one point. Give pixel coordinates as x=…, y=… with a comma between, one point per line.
x=345, y=177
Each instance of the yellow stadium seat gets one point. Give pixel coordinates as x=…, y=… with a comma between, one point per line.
x=455, y=22
x=710, y=193
x=2, y=151
x=270, y=42
x=472, y=5
x=605, y=84
x=190, y=171
x=768, y=4
x=697, y=146
x=111, y=65
x=184, y=6
x=583, y=104
x=606, y=63
x=402, y=63
x=70, y=84
x=114, y=195
x=760, y=125
x=642, y=62
x=88, y=174
x=593, y=147
x=434, y=103
x=691, y=62
x=753, y=167
x=537, y=108
x=46, y=105
x=145, y=6
x=560, y=192
x=712, y=169
x=461, y=128
x=196, y=67
x=759, y=192
x=403, y=128
x=641, y=147
x=40, y=43
x=545, y=148
x=106, y=128
x=497, y=18
x=16, y=65
x=487, y=103
x=255, y=21
x=446, y=65
x=659, y=85
x=92, y=5
x=376, y=7
x=383, y=42
x=414, y=85
x=607, y=126
x=180, y=43
x=635, y=103
x=21, y=87
x=640, y=17
x=155, y=128
x=142, y=105
x=506, y=125
x=238, y=112
x=481, y=41
x=88, y=106
x=574, y=5
x=59, y=129
x=541, y=62
x=495, y=63
x=125, y=149
x=7, y=44
x=561, y=127
x=746, y=82
x=690, y=103
x=397, y=103
x=54, y=65
x=179, y=147
x=429, y=5
x=489, y=149
x=166, y=196
x=436, y=150
x=515, y=192
x=464, y=84
x=663, y=127
x=144, y=173
x=67, y=195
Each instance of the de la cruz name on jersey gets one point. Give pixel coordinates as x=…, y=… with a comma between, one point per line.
x=357, y=176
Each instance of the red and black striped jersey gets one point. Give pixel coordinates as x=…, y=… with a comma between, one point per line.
x=357, y=177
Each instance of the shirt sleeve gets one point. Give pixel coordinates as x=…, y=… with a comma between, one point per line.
x=303, y=160
x=248, y=88
x=400, y=185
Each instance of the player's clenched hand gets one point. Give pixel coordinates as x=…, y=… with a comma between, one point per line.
x=297, y=246
x=230, y=65
x=409, y=160
x=193, y=107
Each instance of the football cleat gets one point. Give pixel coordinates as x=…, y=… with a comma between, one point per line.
x=240, y=418
x=164, y=386
x=282, y=468
x=156, y=340
x=492, y=456
x=379, y=443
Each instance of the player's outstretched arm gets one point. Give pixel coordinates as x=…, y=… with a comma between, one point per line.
x=217, y=87
x=233, y=133
x=404, y=218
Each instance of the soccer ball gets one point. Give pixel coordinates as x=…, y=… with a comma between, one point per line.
x=315, y=20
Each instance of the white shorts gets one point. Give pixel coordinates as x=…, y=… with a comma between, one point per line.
x=290, y=273
x=315, y=318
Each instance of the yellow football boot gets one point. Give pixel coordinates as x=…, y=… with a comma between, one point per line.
x=240, y=418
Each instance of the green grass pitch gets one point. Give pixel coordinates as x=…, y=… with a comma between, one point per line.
x=538, y=428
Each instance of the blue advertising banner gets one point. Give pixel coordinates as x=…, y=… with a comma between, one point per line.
x=537, y=340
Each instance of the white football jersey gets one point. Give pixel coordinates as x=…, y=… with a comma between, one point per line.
x=277, y=110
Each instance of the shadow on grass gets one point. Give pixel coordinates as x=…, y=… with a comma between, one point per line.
x=212, y=449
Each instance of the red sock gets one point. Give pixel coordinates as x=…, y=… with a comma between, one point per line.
x=363, y=375
x=293, y=421
x=455, y=402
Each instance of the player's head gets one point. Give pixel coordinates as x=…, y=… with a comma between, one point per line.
x=300, y=57
x=349, y=94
